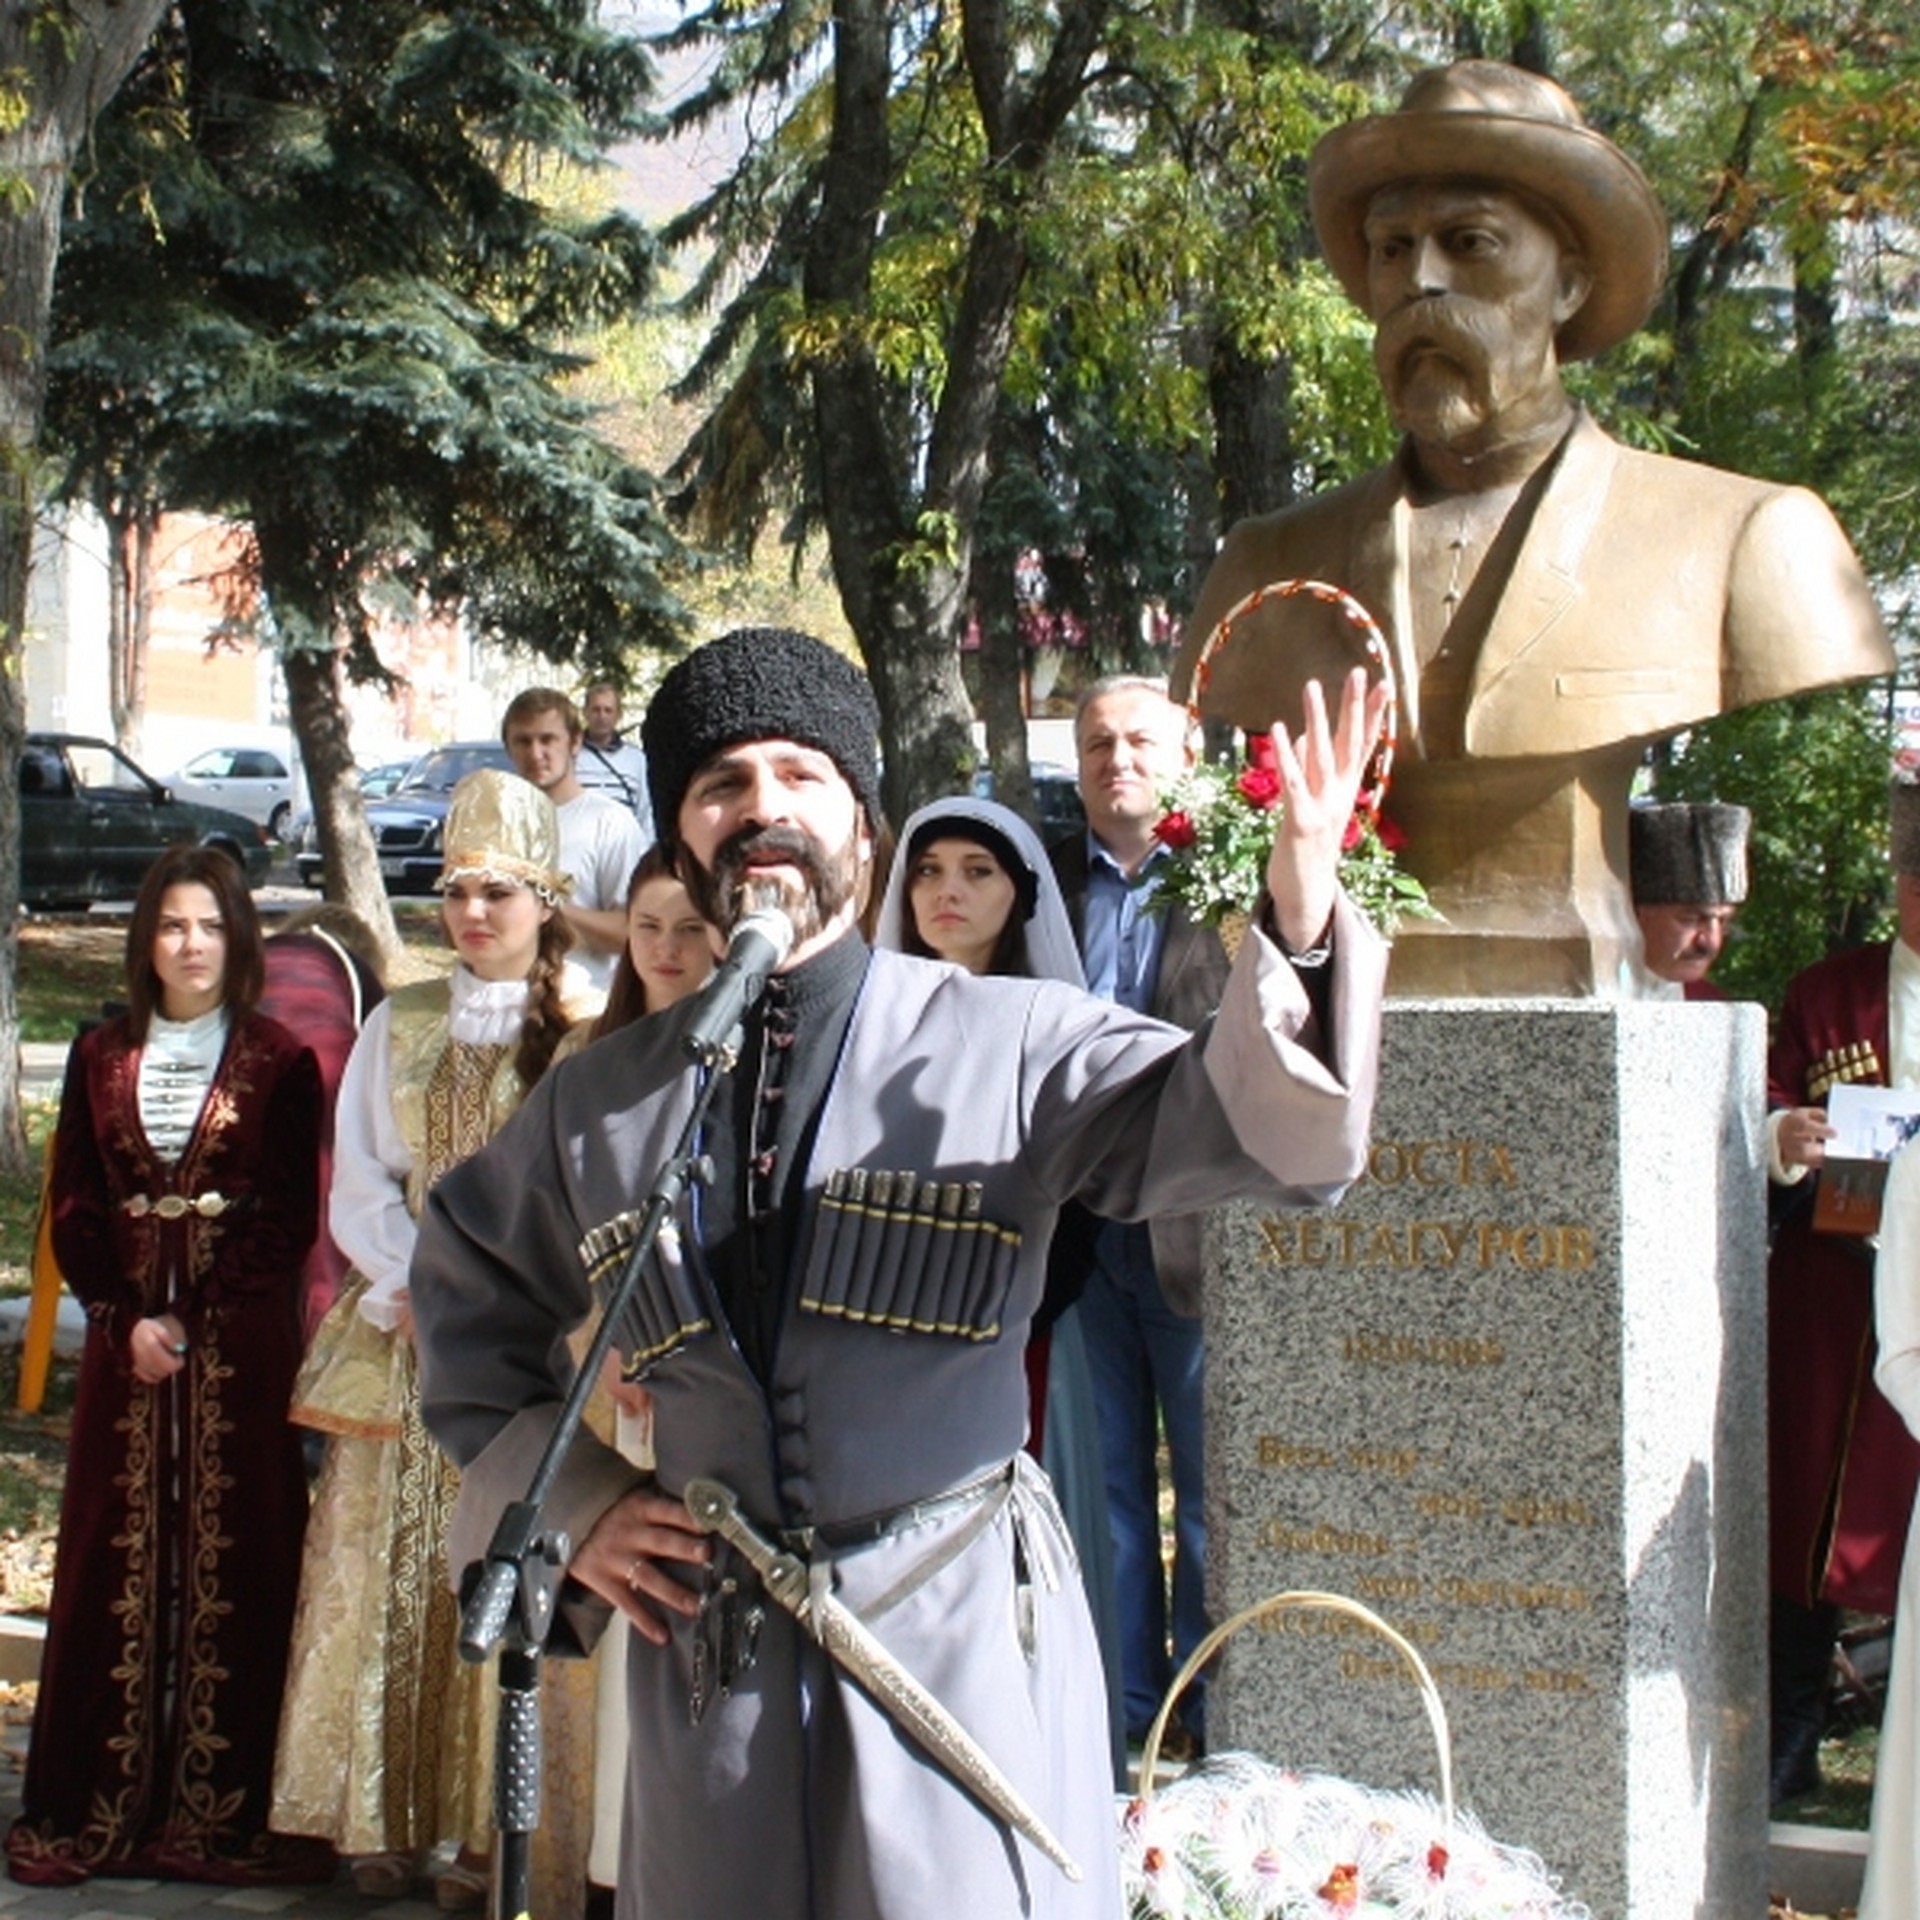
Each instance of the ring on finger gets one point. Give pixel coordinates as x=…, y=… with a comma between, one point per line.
x=633, y=1573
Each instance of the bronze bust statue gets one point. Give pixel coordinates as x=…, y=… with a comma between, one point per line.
x=1552, y=600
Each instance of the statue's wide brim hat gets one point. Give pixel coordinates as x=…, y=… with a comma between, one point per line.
x=1479, y=120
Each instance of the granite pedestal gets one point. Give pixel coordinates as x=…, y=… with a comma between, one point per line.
x=1511, y=1394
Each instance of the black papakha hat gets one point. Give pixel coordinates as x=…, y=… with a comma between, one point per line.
x=1688, y=853
x=759, y=683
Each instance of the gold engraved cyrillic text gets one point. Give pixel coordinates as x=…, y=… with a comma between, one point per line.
x=1396, y=1463
x=1283, y=1538
x=1422, y=1350
x=1449, y=1675
x=1526, y=1595
x=1450, y=1506
x=1309, y=1240
x=1538, y=1510
x=1439, y=1163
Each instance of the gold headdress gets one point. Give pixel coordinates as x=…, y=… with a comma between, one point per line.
x=500, y=827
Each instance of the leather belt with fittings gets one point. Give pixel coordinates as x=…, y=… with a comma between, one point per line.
x=176, y=1206
x=835, y=1536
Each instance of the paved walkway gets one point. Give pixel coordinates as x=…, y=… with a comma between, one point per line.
x=43, y=1065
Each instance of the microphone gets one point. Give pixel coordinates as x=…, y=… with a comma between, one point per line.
x=755, y=947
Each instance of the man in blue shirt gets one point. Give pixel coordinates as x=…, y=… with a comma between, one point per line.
x=1139, y=1309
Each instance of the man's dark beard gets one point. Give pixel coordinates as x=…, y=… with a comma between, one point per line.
x=729, y=890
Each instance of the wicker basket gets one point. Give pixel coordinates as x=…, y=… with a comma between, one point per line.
x=1239, y=1839
x=1307, y=1600
x=1373, y=788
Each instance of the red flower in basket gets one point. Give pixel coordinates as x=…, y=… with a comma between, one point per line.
x=1342, y=1891
x=1437, y=1862
x=1259, y=786
x=1356, y=831
x=1391, y=835
x=1175, y=830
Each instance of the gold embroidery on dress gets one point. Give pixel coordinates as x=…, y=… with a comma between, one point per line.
x=202, y=1819
x=398, y=1742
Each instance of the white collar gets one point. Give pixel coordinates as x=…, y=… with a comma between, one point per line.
x=484, y=1012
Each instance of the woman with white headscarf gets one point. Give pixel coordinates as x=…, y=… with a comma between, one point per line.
x=972, y=884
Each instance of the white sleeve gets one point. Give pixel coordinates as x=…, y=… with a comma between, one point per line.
x=1896, y=1288
x=1778, y=1171
x=367, y=1205
x=617, y=852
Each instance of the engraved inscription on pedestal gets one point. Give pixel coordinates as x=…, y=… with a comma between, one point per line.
x=1510, y=1395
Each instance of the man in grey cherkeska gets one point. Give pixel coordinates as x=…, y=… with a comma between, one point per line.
x=835, y=1326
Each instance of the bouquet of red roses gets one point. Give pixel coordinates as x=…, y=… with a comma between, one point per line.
x=1219, y=825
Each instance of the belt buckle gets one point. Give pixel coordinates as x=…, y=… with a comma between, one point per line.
x=176, y=1206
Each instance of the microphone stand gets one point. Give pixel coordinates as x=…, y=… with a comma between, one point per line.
x=508, y=1599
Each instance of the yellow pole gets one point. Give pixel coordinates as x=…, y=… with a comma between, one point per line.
x=43, y=1311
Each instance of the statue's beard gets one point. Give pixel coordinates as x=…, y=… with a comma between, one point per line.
x=734, y=886
x=1449, y=368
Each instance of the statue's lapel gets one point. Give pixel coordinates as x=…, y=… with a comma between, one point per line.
x=1546, y=580
x=1379, y=582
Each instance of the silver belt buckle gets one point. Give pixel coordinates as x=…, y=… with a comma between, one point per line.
x=176, y=1206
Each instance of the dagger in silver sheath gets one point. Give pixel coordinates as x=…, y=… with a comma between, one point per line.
x=848, y=1641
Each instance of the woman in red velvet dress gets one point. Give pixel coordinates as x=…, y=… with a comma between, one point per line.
x=184, y=1195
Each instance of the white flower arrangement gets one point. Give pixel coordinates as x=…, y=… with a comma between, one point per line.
x=1238, y=1839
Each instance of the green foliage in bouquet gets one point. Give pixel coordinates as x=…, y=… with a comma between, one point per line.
x=1218, y=822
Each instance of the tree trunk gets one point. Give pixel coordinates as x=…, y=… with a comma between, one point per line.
x=131, y=527
x=321, y=727
x=901, y=567
x=67, y=71
x=1252, y=405
x=1003, y=700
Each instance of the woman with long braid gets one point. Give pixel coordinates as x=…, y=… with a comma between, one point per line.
x=386, y=1741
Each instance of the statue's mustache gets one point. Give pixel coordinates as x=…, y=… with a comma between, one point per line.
x=1463, y=330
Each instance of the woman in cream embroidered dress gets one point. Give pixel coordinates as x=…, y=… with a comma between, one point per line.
x=387, y=1741
x=184, y=1197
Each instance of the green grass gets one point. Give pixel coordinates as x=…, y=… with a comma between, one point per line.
x=20, y=1207
x=68, y=967
x=1844, y=1798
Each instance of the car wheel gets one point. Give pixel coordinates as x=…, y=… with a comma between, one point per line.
x=277, y=821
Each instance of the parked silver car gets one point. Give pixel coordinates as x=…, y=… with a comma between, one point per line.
x=250, y=780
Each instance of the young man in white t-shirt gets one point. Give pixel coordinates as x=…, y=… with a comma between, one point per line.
x=600, y=841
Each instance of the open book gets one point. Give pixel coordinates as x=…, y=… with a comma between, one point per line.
x=1871, y=1125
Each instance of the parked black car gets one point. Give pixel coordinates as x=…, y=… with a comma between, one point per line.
x=91, y=823
x=406, y=823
